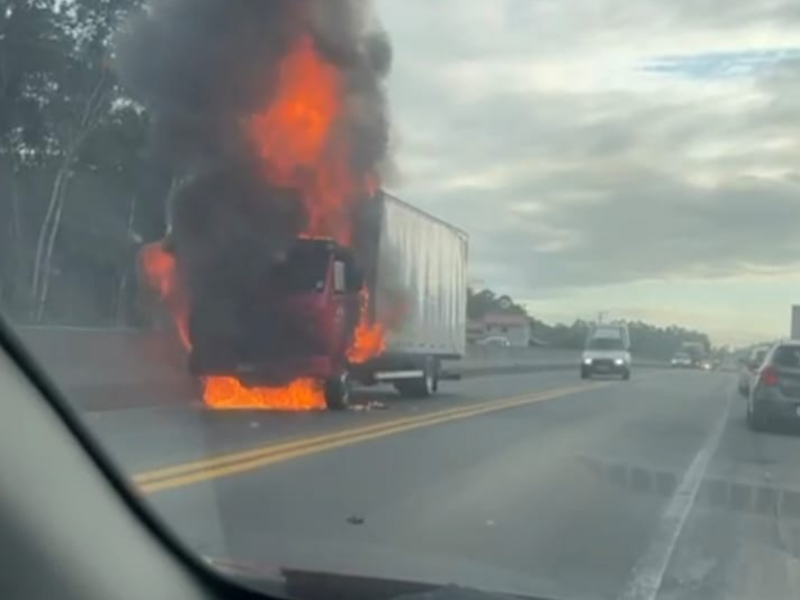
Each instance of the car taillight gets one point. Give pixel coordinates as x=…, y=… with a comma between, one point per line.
x=769, y=376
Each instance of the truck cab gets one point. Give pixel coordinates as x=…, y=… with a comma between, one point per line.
x=296, y=321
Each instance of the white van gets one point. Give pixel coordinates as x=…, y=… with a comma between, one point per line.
x=607, y=352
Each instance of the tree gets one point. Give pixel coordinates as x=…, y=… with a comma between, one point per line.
x=33, y=54
x=82, y=189
x=487, y=302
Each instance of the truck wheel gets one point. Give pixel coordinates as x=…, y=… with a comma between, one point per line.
x=425, y=386
x=337, y=392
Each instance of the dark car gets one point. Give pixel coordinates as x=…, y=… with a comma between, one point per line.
x=750, y=367
x=775, y=390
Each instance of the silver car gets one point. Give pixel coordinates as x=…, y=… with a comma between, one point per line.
x=775, y=389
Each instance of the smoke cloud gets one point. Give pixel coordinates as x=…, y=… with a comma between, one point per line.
x=203, y=68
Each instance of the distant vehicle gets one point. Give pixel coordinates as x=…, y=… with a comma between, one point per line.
x=681, y=360
x=698, y=352
x=749, y=369
x=775, y=388
x=607, y=353
x=495, y=340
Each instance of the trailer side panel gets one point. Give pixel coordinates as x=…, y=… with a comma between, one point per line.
x=421, y=281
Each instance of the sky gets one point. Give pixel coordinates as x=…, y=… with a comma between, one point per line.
x=637, y=157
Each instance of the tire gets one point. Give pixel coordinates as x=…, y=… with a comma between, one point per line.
x=424, y=387
x=585, y=374
x=337, y=392
x=626, y=375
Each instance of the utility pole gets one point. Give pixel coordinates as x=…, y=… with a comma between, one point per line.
x=795, y=326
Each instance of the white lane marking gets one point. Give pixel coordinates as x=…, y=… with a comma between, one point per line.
x=649, y=570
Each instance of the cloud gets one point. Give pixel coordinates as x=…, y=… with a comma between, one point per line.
x=603, y=142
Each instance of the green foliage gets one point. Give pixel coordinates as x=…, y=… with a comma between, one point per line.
x=79, y=188
x=480, y=304
x=646, y=340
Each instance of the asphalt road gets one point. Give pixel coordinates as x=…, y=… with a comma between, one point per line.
x=539, y=483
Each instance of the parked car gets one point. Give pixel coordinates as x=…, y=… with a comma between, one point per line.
x=681, y=360
x=495, y=340
x=775, y=388
x=749, y=369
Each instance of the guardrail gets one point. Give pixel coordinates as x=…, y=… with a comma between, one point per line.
x=107, y=369
x=102, y=369
x=483, y=360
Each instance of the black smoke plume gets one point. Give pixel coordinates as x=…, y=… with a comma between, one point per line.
x=202, y=67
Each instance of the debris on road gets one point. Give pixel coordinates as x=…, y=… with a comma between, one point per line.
x=371, y=405
x=355, y=520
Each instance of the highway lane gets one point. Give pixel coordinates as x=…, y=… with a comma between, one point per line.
x=149, y=438
x=567, y=497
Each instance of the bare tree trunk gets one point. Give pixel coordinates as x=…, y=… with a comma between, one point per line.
x=122, y=289
x=16, y=214
x=52, y=206
x=52, y=222
x=51, y=241
x=14, y=250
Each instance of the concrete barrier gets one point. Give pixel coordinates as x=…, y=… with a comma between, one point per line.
x=482, y=360
x=104, y=369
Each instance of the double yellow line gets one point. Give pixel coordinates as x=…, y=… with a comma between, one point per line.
x=237, y=462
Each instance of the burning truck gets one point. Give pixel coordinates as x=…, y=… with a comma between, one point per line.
x=317, y=319
x=288, y=272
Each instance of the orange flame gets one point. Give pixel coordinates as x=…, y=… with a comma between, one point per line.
x=369, y=339
x=303, y=147
x=160, y=272
x=229, y=393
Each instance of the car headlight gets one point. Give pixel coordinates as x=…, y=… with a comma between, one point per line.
x=587, y=361
x=619, y=362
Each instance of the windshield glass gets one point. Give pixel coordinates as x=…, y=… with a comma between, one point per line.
x=456, y=291
x=303, y=269
x=787, y=356
x=605, y=344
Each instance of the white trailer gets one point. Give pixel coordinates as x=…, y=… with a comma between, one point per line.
x=418, y=287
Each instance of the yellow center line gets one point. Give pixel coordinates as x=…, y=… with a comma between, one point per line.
x=236, y=457
x=238, y=462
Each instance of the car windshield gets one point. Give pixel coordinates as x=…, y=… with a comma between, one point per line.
x=605, y=344
x=787, y=356
x=302, y=269
x=453, y=291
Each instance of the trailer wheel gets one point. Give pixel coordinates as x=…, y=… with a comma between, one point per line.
x=425, y=386
x=337, y=392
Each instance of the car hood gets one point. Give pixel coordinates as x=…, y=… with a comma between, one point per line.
x=610, y=354
x=363, y=571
